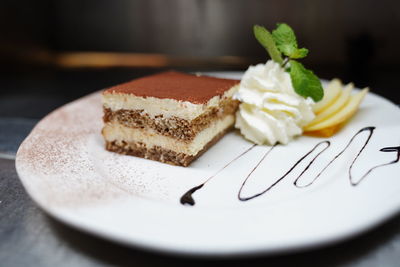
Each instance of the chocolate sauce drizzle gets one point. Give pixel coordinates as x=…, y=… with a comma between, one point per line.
x=327, y=143
x=323, y=145
x=187, y=197
x=351, y=180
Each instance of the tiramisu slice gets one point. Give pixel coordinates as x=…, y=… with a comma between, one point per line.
x=170, y=117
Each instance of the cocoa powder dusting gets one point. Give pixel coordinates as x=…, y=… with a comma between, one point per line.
x=176, y=85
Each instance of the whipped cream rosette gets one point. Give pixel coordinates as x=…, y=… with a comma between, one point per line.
x=271, y=111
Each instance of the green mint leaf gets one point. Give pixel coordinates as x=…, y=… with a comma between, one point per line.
x=285, y=39
x=305, y=82
x=286, y=42
x=299, y=53
x=264, y=37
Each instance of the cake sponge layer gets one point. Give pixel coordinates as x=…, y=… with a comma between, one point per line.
x=118, y=133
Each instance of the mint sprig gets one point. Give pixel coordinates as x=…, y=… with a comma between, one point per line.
x=282, y=47
x=265, y=38
x=286, y=42
x=305, y=82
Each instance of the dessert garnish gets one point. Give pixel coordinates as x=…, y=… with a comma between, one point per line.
x=281, y=99
x=271, y=111
x=337, y=107
x=282, y=47
x=277, y=97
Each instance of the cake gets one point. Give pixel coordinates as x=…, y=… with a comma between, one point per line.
x=170, y=117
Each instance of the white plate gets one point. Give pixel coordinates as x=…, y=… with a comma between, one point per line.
x=66, y=170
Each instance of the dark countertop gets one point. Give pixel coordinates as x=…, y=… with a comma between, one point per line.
x=29, y=237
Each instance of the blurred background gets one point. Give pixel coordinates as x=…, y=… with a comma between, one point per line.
x=52, y=52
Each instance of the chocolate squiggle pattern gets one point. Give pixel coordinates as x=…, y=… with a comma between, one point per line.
x=187, y=198
x=322, y=146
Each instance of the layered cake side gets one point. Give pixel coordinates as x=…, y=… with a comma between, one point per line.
x=170, y=117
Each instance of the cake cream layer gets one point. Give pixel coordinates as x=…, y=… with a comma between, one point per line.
x=118, y=133
x=166, y=107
